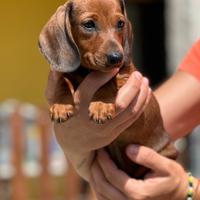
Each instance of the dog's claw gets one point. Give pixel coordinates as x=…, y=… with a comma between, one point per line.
x=69, y=115
x=100, y=121
x=58, y=120
x=61, y=120
x=109, y=117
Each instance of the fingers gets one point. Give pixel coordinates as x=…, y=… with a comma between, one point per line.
x=138, y=105
x=103, y=189
x=131, y=188
x=143, y=98
x=116, y=177
x=148, y=158
x=131, y=114
x=128, y=92
x=89, y=86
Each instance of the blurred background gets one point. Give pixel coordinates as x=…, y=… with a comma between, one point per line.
x=32, y=166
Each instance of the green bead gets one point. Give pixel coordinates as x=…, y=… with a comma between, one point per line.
x=190, y=192
x=191, y=179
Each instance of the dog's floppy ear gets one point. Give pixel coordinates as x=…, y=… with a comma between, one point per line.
x=128, y=36
x=128, y=42
x=56, y=41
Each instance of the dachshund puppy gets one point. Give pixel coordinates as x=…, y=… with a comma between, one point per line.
x=85, y=35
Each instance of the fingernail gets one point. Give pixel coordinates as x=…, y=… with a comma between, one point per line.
x=138, y=75
x=146, y=81
x=132, y=150
x=150, y=90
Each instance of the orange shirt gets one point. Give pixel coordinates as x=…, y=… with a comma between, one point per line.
x=191, y=63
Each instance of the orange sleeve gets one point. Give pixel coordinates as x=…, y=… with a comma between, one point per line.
x=191, y=63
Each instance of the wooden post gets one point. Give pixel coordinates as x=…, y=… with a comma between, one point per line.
x=19, y=181
x=73, y=184
x=46, y=181
x=1, y=190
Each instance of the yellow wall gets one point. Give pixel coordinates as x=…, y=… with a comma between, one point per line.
x=23, y=71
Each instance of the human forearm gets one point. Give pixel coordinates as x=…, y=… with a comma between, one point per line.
x=179, y=99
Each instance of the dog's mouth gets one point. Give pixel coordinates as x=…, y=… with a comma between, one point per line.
x=108, y=68
x=101, y=63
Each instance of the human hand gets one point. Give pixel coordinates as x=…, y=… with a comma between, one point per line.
x=167, y=181
x=80, y=136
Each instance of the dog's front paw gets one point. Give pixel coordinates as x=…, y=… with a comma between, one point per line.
x=60, y=112
x=101, y=112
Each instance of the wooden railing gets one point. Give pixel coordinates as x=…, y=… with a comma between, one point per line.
x=44, y=186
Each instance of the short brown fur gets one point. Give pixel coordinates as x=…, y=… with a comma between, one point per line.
x=85, y=35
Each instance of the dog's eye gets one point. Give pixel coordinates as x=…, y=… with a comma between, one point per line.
x=89, y=25
x=120, y=24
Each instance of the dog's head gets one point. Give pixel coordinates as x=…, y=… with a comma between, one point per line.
x=93, y=33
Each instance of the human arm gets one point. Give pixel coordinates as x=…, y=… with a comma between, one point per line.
x=80, y=137
x=179, y=97
x=179, y=100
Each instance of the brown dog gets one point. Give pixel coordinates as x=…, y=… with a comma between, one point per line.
x=85, y=35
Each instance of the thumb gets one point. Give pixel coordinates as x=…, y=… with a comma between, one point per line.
x=148, y=158
x=89, y=86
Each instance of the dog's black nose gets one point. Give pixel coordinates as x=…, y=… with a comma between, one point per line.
x=114, y=58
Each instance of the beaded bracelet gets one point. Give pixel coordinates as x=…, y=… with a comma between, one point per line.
x=190, y=192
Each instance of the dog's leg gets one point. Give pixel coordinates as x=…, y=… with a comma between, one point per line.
x=59, y=95
x=124, y=74
x=102, y=107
